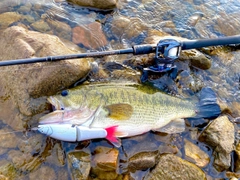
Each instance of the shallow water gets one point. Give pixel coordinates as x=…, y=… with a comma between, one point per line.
x=193, y=19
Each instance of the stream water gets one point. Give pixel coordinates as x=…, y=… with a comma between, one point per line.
x=192, y=19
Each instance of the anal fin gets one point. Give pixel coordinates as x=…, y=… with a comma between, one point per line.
x=175, y=126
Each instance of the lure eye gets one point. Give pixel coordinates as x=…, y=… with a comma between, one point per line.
x=64, y=93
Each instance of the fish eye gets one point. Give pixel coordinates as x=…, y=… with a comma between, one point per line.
x=64, y=93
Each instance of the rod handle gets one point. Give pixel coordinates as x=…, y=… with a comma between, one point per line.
x=192, y=44
x=143, y=49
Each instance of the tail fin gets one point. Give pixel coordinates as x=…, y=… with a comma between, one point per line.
x=207, y=106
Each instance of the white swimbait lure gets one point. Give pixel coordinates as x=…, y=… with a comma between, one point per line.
x=73, y=133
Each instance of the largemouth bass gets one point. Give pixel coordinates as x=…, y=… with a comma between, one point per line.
x=133, y=109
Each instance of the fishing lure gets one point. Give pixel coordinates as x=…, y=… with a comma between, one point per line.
x=74, y=133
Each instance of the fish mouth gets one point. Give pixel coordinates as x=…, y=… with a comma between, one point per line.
x=57, y=105
x=53, y=117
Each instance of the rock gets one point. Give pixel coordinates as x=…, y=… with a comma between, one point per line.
x=28, y=18
x=105, y=163
x=79, y=164
x=24, y=162
x=9, y=18
x=168, y=27
x=41, y=26
x=26, y=8
x=24, y=85
x=7, y=170
x=62, y=174
x=44, y=172
x=168, y=149
x=219, y=134
x=232, y=23
x=57, y=156
x=106, y=159
x=128, y=27
x=143, y=146
x=31, y=145
x=91, y=35
x=173, y=167
x=232, y=175
x=100, y=4
x=235, y=109
x=196, y=58
x=60, y=29
x=189, y=81
x=103, y=175
x=142, y=161
x=224, y=54
x=195, y=155
x=237, y=163
x=8, y=139
x=7, y=5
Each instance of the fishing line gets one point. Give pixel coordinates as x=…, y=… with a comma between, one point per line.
x=11, y=132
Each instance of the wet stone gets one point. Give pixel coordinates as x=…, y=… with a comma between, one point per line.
x=7, y=6
x=41, y=26
x=128, y=27
x=8, y=139
x=146, y=145
x=237, y=163
x=31, y=145
x=61, y=29
x=105, y=158
x=63, y=174
x=142, y=161
x=8, y=18
x=25, y=87
x=196, y=58
x=105, y=163
x=44, y=172
x=57, y=156
x=235, y=109
x=232, y=23
x=91, y=35
x=79, y=164
x=174, y=167
x=24, y=162
x=167, y=148
x=100, y=4
x=7, y=170
x=195, y=155
x=29, y=19
x=219, y=134
x=185, y=79
x=232, y=175
x=26, y=8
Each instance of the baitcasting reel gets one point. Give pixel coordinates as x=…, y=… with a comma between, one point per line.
x=167, y=51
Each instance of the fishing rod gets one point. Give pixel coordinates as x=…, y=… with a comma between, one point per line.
x=166, y=52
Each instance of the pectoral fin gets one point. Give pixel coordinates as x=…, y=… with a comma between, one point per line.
x=119, y=111
x=175, y=126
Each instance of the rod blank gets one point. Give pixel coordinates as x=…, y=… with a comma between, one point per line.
x=135, y=50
